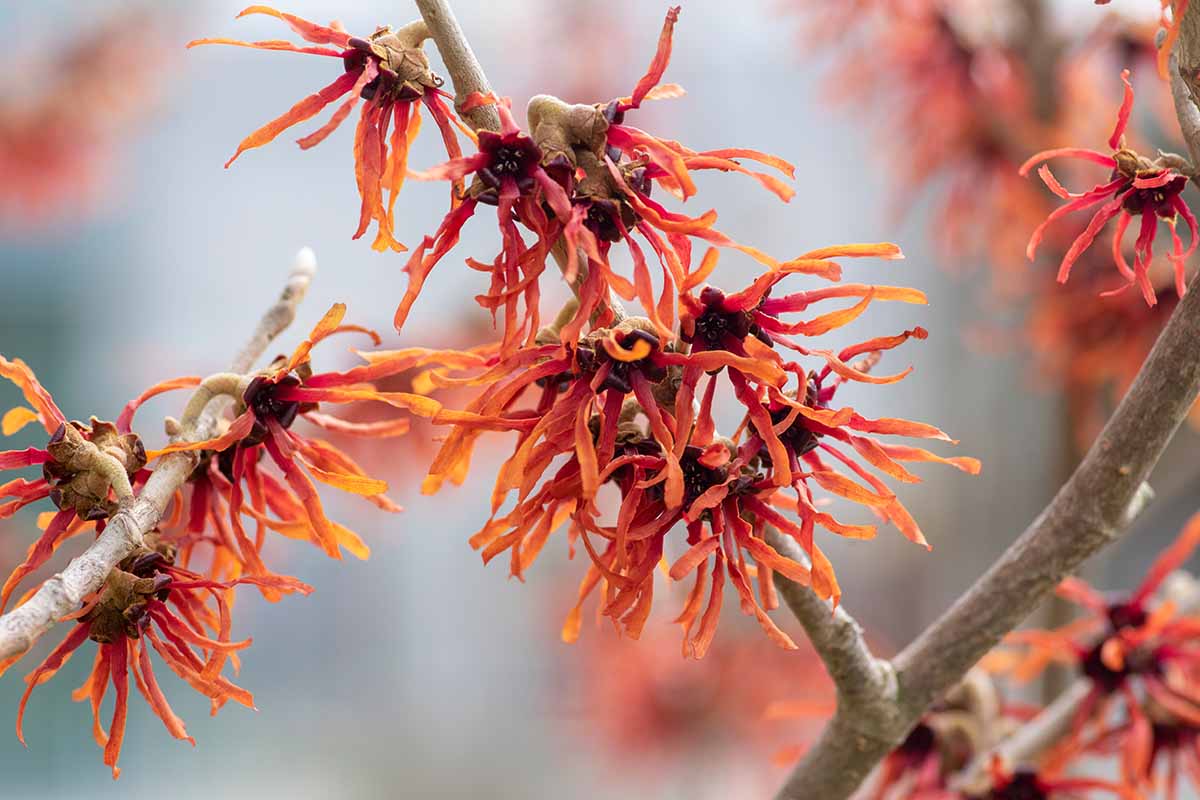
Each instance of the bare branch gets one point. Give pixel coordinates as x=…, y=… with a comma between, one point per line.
x=465, y=71
x=62, y=594
x=1185, y=109
x=860, y=677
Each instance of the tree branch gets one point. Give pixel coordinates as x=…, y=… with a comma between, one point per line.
x=1184, y=69
x=860, y=677
x=62, y=594
x=1093, y=509
x=465, y=72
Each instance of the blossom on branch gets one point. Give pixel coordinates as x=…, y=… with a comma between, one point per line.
x=149, y=603
x=390, y=71
x=1139, y=188
x=618, y=406
x=1139, y=654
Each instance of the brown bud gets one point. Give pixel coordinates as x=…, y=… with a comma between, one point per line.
x=121, y=608
x=72, y=470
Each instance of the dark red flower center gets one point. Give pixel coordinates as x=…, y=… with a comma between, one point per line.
x=1157, y=199
x=1126, y=615
x=919, y=743
x=1023, y=786
x=261, y=398
x=720, y=329
x=590, y=357
x=800, y=437
x=1137, y=662
x=697, y=478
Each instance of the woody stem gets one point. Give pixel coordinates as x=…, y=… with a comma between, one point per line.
x=62, y=593
x=837, y=637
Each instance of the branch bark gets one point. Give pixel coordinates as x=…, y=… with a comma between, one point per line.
x=62, y=593
x=465, y=72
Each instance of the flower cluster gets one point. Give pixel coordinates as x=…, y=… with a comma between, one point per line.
x=174, y=593
x=619, y=407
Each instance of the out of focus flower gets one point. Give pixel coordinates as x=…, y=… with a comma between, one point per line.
x=964, y=725
x=959, y=103
x=1093, y=350
x=1137, y=652
x=1141, y=188
x=647, y=709
x=1169, y=23
x=390, y=71
x=60, y=139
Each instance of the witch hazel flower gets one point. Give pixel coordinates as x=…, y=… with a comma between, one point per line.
x=389, y=71
x=1139, y=188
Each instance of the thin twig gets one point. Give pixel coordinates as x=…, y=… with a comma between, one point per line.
x=62, y=594
x=465, y=72
x=836, y=636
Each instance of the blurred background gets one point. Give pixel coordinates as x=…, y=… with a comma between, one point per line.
x=128, y=255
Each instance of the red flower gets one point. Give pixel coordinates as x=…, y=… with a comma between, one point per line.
x=85, y=470
x=1139, y=188
x=390, y=71
x=509, y=175
x=1025, y=784
x=584, y=403
x=269, y=404
x=145, y=603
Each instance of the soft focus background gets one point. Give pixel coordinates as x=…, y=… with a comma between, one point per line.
x=420, y=673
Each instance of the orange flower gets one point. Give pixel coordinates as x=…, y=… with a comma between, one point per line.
x=647, y=709
x=269, y=405
x=1092, y=349
x=509, y=175
x=1139, y=187
x=56, y=161
x=70, y=477
x=145, y=603
x=390, y=71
